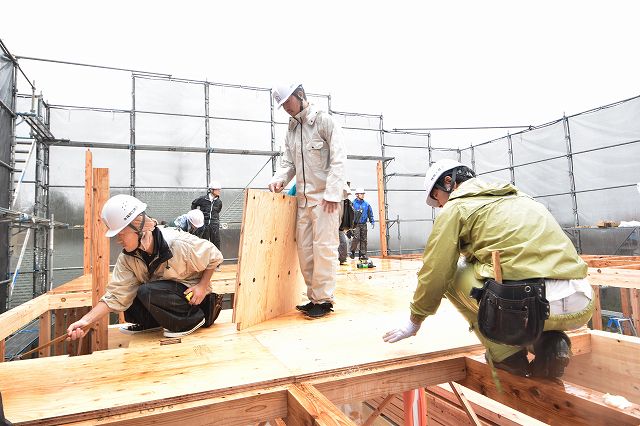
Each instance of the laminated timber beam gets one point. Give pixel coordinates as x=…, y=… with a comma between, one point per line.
x=551, y=401
x=309, y=407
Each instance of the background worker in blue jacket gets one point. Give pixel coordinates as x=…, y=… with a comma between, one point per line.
x=364, y=212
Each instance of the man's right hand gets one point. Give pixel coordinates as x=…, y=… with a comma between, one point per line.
x=276, y=187
x=75, y=330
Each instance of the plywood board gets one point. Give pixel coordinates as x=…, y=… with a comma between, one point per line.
x=269, y=281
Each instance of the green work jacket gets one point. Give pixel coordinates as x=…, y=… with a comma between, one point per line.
x=481, y=217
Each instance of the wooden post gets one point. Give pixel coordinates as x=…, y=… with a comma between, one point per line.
x=635, y=309
x=44, y=334
x=88, y=198
x=382, y=223
x=596, y=319
x=1, y=350
x=100, y=258
x=59, y=328
x=625, y=306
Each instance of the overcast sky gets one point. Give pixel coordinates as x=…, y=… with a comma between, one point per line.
x=420, y=64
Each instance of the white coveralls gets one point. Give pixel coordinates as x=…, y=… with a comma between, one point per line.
x=315, y=154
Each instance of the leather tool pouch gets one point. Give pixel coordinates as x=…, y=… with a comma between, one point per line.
x=211, y=306
x=512, y=313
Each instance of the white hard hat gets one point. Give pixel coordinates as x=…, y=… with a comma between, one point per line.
x=119, y=211
x=282, y=92
x=215, y=185
x=196, y=217
x=359, y=190
x=434, y=172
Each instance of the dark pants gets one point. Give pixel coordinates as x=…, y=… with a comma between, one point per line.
x=210, y=232
x=360, y=238
x=163, y=304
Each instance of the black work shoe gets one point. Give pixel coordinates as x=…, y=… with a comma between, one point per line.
x=304, y=308
x=342, y=262
x=517, y=364
x=137, y=328
x=553, y=353
x=353, y=255
x=319, y=310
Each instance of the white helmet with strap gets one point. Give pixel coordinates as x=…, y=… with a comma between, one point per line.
x=434, y=172
x=119, y=211
x=282, y=92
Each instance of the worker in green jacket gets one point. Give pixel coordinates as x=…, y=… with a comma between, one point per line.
x=544, y=280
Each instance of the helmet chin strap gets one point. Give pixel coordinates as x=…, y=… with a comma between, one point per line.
x=453, y=182
x=139, y=230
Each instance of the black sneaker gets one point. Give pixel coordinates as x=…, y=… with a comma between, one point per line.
x=517, y=364
x=319, y=310
x=553, y=353
x=353, y=255
x=304, y=308
x=137, y=328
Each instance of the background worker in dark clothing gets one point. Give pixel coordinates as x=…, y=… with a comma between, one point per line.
x=210, y=205
x=364, y=212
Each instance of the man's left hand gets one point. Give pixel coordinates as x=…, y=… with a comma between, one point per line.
x=329, y=206
x=373, y=225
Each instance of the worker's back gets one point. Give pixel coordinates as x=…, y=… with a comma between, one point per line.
x=496, y=216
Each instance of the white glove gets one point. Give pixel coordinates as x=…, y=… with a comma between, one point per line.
x=372, y=226
x=407, y=330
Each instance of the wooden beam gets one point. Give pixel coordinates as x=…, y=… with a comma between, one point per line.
x=100, y=251
x=551, y=401
x=373, y=382
x=381, y=210
x=596, y=319
x=625, y=305
x=2, y=350
x=621, y=278
x=610, y=367
x=269, y=282
x=443, y=407
x=240, y=409
x=88, y=197
x=77, y=299
x=16, y=318
x=374, y=415
x=465, y=404
x=306, y=406
x=635, y=308
x=44, y=334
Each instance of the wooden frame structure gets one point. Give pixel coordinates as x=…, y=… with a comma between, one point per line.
x=295, y=371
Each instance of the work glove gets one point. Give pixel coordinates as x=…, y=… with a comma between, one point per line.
x=373, y=225
x=407, y=330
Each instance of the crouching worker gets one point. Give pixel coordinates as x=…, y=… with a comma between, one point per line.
x=160, y=280
x=544, y=289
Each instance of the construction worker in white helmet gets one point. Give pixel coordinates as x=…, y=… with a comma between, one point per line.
x=162, y=278
x=190, y=222
x=543, y=290
x=210, y=205
x=315, y=155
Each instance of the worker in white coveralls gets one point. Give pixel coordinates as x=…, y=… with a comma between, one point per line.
x=314, y=153
x=162, y=278
x=544, y=289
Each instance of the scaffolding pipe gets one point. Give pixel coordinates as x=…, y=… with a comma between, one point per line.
x=17, y=270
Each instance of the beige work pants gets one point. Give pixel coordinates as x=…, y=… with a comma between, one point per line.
x=317, y=237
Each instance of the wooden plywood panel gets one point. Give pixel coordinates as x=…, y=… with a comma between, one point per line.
x=269, y=282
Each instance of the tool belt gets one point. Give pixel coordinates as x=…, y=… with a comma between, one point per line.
x=512, y=313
